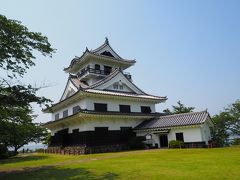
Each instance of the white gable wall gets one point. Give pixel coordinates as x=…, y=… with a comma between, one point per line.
x=69, y=90
x=125, y=88
x=108, y=49
x=118, y=78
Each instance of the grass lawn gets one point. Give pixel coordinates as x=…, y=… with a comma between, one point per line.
x=222, y=163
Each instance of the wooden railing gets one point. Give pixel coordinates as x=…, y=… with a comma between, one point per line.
x=92, y=70
x=100, y=72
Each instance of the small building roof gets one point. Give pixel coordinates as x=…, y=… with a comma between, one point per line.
x=169, y=121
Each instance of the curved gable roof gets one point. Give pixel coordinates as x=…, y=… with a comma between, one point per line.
x=106, y=45
x=96, y=54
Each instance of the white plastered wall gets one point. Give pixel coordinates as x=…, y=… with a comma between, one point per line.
x=191, y=134
x=206, y=132
x=113, y=104
x=112, y=124
x=82, y=103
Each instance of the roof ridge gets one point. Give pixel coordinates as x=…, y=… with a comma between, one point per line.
x=182, y=114
x=121, y=59
x=176, y=120
x=106, y=43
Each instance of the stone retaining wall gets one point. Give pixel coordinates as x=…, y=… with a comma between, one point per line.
x=77, y=150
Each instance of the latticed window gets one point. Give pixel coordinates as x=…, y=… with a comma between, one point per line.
x=99, y=107
x=179, y=137
x=57, y=116
x=145, y=109
x=76, y=109
x=97, y=67
x=115, y=86
x=65, y=113
x=125, y=108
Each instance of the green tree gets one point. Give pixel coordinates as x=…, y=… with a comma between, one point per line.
x=226, y=124
x=17, y=45
x=17, y=48
x=16, y=135
x=220, y=131
x=179, y=108
x=234, y=122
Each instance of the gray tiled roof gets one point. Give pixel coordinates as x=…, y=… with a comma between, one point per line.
x=168, y=121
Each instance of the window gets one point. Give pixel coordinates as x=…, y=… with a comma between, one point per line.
x=101, y=132
x=179, y=137
x=57, y=116
x=99, y=107
x=75, y=131
x=124, y=108
x=115, y=86
x=125, y=129
x=65, y=113
x=107, y=70
x=146, y=109
x=101, y=129
x=121, y=87
x=76, y=109
x=97, y=67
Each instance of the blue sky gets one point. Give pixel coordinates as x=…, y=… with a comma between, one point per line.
x=186, y=50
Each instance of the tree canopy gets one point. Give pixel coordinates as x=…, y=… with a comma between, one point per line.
x=17, y=44
x=227, y=124
x=17, y=47
x=179, y=108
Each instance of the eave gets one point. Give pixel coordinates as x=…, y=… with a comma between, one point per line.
x=87, y=114
x=167, y=128
x=76, y=63
x=84, y=93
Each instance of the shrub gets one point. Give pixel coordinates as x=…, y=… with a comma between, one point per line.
x=136, y=142
x=3, y=151
x=176, y=144
x=39, y=150
x=236, y=141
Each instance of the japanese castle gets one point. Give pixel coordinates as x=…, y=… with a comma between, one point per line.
x=101, y=110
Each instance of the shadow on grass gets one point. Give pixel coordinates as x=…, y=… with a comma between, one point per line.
x=50, y=172
x=23, y=158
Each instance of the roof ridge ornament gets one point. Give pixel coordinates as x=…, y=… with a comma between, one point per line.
x=106, y=40
x=87, y=49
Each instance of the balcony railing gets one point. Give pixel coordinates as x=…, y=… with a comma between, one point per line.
x=93, y=71
x=99, y=72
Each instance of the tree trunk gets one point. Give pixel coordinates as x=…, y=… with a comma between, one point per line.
x=15, y=150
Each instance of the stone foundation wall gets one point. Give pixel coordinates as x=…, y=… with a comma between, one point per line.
x=77, y=150
x=107, y=148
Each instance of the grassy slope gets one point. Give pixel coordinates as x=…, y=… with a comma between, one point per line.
x=221, y=163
